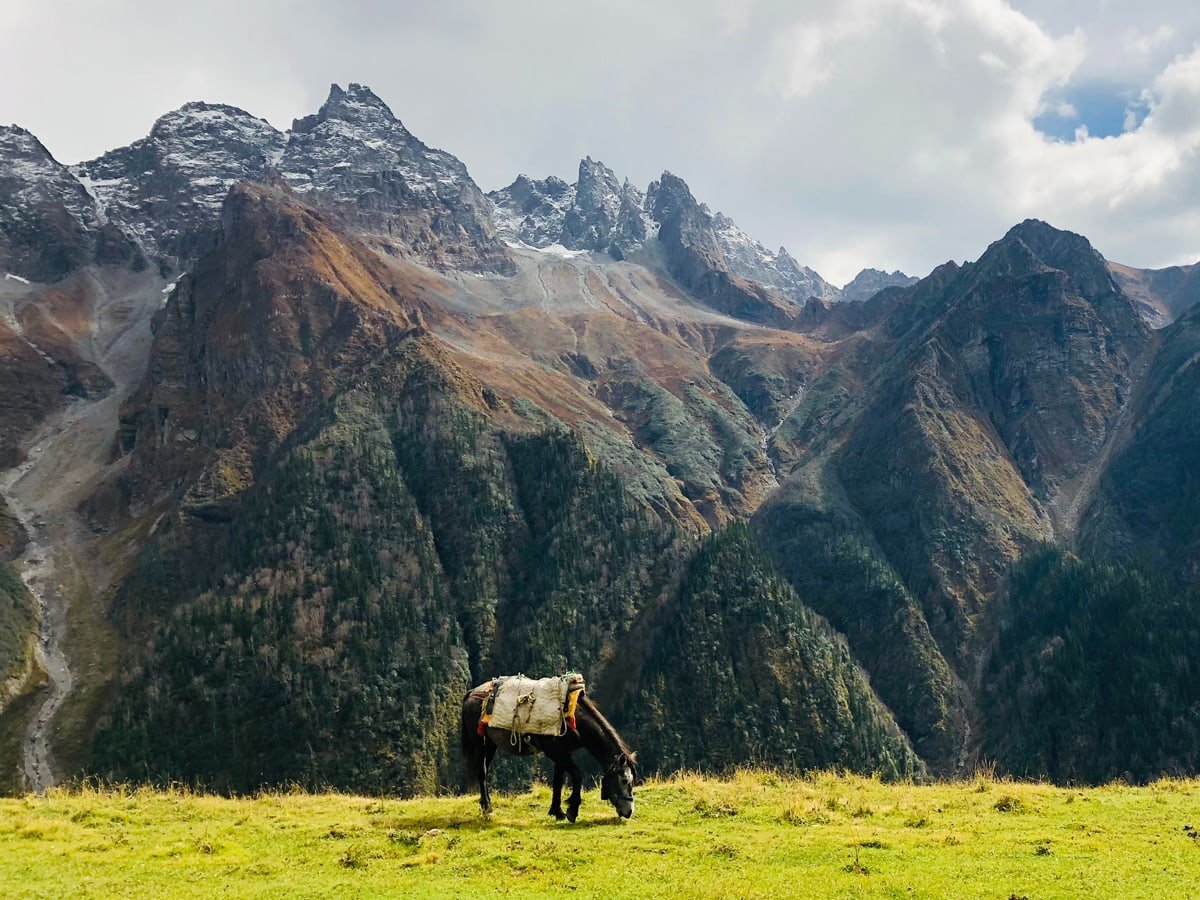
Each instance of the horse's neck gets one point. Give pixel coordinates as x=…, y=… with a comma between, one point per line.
x=596, y=740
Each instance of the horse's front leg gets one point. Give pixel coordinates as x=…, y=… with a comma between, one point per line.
x=556, y=800
x=576, y=785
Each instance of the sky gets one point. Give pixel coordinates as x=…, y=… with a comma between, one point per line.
x=885, y=133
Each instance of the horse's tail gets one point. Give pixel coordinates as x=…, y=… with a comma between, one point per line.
x=472, y=746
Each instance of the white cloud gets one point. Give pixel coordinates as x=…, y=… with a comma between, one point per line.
x=895, y=133
x=1144, y=43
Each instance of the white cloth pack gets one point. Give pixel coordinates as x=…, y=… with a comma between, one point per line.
x=533, y=706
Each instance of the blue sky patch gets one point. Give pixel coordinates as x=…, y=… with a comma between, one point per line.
x=1103, y=108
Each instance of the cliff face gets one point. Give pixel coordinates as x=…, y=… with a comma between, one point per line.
x=1146, y=498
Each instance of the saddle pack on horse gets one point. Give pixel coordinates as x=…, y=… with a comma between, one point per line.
x=523, y=705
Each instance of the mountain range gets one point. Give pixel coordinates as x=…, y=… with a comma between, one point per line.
x=303, y=433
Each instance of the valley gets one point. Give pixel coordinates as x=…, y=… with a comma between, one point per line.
x=65, y=458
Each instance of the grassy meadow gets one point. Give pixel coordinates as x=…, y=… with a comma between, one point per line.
x=753, y=835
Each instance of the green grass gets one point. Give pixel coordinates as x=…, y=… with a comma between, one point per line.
x=754, y=835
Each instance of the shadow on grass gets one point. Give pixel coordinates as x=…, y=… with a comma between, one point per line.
x=613, y=822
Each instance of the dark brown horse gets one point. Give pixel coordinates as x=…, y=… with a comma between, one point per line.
x=592, y=732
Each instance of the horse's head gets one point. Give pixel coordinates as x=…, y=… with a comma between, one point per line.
x=617, y=785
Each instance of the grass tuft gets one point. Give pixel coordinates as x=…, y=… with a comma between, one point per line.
x=1009, y=803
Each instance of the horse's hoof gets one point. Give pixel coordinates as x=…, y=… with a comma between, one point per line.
x=558, y=814
x=572, y=815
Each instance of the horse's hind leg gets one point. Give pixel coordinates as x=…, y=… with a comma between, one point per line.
x=576, y=785
x=483, y=769
x=556, y=801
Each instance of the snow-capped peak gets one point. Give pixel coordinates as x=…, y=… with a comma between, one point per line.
x=166, y=190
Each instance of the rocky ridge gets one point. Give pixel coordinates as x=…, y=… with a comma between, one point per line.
x=601, y=214
x=869, y=282
x=353, y=155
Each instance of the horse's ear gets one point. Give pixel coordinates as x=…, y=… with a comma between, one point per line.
x=631, y=761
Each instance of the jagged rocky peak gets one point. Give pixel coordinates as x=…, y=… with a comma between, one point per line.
x=355, y=133
x=357, y=104
x=1061, y=250
x=1047, y=241
x=205, y=146
x=198, y=124
x=779, y=270
x=407, y=197
x=869, y=282
x=684, y=223
x=607, y=214
x=531, y=211
x=25, y=157
x=599, y=213
x=31, y=176
x=670, y=196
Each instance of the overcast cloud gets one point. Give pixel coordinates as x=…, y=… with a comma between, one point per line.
x=893, y=133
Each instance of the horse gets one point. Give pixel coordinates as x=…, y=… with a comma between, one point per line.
x=592, y=732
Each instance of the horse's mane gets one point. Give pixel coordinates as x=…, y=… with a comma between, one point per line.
x=605, y=726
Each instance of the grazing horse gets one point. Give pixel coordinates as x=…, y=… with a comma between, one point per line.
x=592, y=732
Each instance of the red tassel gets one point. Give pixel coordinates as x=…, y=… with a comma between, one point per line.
x=571, y=723
x=482, y=727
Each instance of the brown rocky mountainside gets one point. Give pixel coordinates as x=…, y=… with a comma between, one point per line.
x=359, y=436
x=250, y=342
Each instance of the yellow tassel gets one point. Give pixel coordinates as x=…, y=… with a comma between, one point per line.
x=572, y=702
